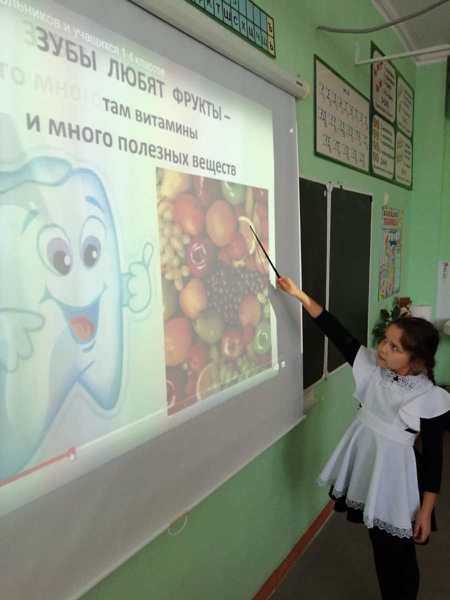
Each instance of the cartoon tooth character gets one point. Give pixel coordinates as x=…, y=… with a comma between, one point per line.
x=62, y=295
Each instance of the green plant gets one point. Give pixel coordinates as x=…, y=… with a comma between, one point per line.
x=400, y=308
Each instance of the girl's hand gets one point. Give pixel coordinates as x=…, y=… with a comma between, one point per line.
x=287, y=285
x=311, y=306
x=422, y=526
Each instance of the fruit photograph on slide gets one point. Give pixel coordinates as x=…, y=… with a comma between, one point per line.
x=217, y=326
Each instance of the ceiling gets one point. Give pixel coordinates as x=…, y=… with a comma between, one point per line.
x=431, y=29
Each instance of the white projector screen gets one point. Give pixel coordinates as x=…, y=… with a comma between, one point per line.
x=144, y=354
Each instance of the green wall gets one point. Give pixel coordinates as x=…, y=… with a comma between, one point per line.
x=235, y=538
x=428, y=218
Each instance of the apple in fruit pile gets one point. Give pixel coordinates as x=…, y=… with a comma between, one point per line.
x=221, y=223
x=193, y=298
x=197, y=356
x=200, y=256
x=189, y=214
x=209, y=327
x=237, y=249
x=178, y=340
x=250, y=311
x=232, y=343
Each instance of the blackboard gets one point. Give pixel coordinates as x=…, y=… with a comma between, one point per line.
x=349, y=265
x=313, y=217
x=349, y=270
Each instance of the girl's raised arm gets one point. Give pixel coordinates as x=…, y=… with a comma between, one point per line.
x=328, y=324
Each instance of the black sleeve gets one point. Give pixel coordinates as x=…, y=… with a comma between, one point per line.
x=341, y=338
x=431, y=436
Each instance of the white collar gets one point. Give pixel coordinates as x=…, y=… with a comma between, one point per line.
x=405, y=382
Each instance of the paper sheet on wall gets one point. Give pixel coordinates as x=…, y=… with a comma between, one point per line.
x=443, y=291
x=391, y=255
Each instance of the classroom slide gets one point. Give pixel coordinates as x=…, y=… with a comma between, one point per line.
x=133, y=296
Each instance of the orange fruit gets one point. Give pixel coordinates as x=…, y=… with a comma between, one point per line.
x=208, y=381
x=178, y=340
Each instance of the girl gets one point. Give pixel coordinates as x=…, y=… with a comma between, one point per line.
x=372, y=471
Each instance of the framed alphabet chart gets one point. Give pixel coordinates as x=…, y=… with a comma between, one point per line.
x=342, y=117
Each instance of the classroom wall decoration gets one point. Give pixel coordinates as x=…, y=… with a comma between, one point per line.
x=383, y=147
x=341, y=119
x=243, y=17
x=376, y=136
x=384, y=87
x=405, y=106
x=443, y=291
x=392, y=107
x=391, y=254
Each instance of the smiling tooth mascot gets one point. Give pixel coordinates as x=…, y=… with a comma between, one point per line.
x=62, y=296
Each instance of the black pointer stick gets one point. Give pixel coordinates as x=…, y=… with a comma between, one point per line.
x=265, y=253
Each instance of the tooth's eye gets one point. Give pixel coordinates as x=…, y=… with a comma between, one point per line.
x=55, y=250
x=92, y=241
x=91, y=251
x=58, y=255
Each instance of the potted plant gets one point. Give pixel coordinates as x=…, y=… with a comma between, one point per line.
x=401, y=308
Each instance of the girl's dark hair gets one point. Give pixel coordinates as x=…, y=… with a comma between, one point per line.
x=421, y=339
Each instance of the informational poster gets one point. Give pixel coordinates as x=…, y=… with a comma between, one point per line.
x=384, y=88
x=383, y=147
x=392, y=123
x=341, y=119
x=403, y=159
x=131, y=289
x=405, y=106
x=391, y=252
x=443, y=291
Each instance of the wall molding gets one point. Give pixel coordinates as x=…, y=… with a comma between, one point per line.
x=281, y=572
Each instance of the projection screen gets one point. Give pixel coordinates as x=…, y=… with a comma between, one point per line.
x=145, y=356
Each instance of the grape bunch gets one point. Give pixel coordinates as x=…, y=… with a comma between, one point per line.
x=227, y=286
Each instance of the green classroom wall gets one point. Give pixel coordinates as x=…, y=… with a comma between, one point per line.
x=443, y=367
x=236, y=538
x=428, y=219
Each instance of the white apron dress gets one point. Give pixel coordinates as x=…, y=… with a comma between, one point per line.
x=374, y=465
